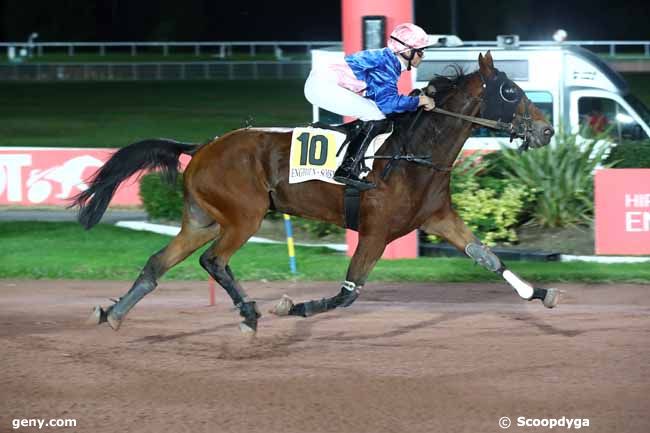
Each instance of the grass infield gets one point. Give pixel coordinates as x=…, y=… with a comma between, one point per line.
x=34, y=250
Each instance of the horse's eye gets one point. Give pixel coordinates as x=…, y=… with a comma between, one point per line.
x=509, y=92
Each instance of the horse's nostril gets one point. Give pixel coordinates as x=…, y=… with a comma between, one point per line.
x=549, y=131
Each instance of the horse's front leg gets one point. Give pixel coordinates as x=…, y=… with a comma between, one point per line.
x=368, y=252
x=452, y=228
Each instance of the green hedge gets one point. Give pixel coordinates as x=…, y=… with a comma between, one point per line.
x=161, y=200
x=630, y=155
x=490, y=205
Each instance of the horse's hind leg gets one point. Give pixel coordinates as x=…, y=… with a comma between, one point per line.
x=190, y=238
x=452, y=228
x=365, y=257
x=215, y=261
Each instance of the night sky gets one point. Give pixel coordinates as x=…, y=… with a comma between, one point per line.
x=205, y=20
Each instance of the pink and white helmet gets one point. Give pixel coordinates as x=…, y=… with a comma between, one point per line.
x=407, y=36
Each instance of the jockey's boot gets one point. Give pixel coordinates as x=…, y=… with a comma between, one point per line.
x=353, y=163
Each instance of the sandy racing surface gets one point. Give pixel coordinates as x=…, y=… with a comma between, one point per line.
x=404, y=358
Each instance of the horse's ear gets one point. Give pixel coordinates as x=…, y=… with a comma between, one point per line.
x=483, y=66
x=488, y=59
x=486, y=64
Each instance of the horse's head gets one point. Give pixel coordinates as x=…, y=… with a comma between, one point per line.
x=503, y=100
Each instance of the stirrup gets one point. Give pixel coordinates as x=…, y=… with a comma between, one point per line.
x=360, y=184
x=346, y=175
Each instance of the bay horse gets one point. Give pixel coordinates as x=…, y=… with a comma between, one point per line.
x=233, y=180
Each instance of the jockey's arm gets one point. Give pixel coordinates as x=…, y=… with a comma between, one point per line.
x=390, y=101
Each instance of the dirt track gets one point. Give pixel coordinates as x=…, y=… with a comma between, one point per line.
x=404, y=358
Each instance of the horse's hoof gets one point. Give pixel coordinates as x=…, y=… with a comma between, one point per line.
x=97, y=317
x=552, y=298
x=283, y=307
x=248, y=329
x=113, y=322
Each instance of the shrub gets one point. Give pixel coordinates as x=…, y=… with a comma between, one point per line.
x=492, y=215
x=490, y=206
x=160, y=199
x=633, y=154
x=560, y=177
x=317, y=228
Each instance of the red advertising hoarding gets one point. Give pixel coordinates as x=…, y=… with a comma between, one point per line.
x=34, y=176
x=622, y=207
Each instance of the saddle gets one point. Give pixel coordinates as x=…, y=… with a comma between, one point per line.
x=350, y=129
x=351, y=196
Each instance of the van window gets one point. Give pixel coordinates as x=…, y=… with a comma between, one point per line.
x=605, y=116
x=542, y=100
x=638, y=106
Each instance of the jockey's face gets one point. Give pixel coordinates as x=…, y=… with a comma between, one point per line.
x=417, y=58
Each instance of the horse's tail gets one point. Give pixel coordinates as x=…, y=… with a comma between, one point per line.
x=154, y=154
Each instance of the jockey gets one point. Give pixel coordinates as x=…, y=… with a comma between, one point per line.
x=364, y=85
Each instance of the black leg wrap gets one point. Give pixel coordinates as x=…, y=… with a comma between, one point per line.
x=143, y=285
x=484, y=257
x=223, y=276
x=345, y=298
x=539, y=294
x=248, y=310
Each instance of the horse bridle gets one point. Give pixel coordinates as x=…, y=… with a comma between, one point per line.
x=509, y=97
x=521, y=126
x=500, y=100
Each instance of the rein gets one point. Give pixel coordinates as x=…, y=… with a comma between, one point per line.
x=494, y=124
x=520, y=127
x=422, y=159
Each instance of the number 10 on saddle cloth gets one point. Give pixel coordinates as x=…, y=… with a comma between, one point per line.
x=313, y=154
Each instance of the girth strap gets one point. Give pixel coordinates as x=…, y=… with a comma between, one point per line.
x=351, y=204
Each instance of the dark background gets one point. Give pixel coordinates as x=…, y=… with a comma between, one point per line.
x=212, y=20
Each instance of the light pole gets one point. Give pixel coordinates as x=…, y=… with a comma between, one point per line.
x=30, y=43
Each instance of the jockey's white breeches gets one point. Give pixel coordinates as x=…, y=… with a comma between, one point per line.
x=322, y=89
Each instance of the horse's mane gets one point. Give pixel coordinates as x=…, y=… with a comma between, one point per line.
x=444, y=86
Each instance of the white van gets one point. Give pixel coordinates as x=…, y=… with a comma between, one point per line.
x=572, y=85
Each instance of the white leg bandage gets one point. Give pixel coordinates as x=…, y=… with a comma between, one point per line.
x=524, y=289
